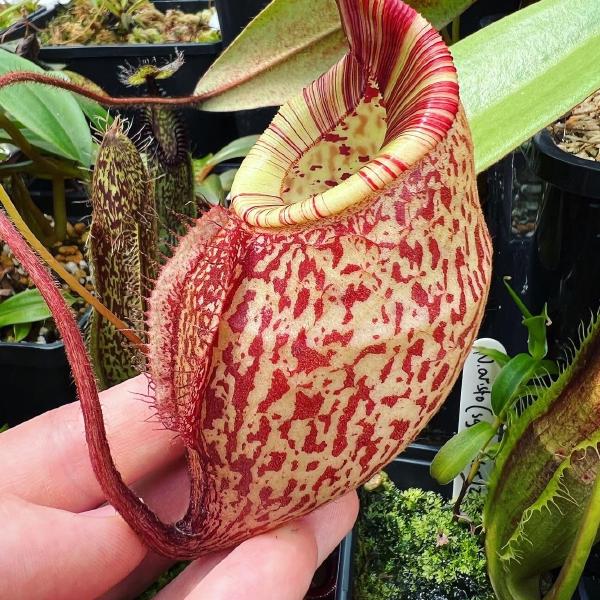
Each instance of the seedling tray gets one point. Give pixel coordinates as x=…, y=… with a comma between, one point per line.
x=101, y=64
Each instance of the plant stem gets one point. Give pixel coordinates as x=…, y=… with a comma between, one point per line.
x=59, y=207
x=474, y=469
x=570, y=574
x=499, y=420
x=65, y=275
x=32, y=215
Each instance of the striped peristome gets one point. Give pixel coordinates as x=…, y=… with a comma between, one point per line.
x=406, y=77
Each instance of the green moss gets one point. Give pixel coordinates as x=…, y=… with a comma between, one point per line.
x=409, y=547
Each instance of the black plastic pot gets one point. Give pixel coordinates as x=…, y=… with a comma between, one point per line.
x=17, y=31
x=410, y=469
x=510, y=196
x=543, y=211
x=101, y=64
x=35, y=378
x=567, y=238
x=324, y=582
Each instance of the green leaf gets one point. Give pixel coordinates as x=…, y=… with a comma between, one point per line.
x=536, y=340
x=517, y=299
x=546, y=367
x=211, y=190
x=97, y=114
x=21, y=331
x=536, y=325
x=237, y=149
x=526, y=70
x=52, y=115
x=517, y=372
x=227, y=178
x=3, y=428
x=26, y=307
x=287, y=46
x=459, y=451
x=500, y=357
x=36, y=141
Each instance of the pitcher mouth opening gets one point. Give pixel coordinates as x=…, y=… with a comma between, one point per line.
x=357, y=128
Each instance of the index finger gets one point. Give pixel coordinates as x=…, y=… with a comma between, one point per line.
x=46, y=461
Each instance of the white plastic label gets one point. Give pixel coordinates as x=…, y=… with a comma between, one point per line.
x=479, y=373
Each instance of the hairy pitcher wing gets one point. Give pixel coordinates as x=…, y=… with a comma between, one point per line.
x=184, y=317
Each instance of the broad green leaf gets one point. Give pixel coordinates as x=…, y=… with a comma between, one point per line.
x=21, y=331
x=513, y=375
x=526, y=70
x=546, y=367
x=459, y=451
x=237, y=149
x=227, y=178
x=211, y=190
x=26, y=307
x=52, y=115
x=36, y=141
x=288, y=45
x=98, y=115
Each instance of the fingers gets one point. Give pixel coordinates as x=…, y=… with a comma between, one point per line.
x=167, y=493
x=46, y=460
x=278, y=565
x=56, y=555
x=330, y=523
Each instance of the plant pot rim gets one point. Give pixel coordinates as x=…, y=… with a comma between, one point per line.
x=82, y=322
x=564, y=170
x=17, y=30
x=129, y=50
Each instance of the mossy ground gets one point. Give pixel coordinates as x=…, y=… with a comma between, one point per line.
x=410, y=548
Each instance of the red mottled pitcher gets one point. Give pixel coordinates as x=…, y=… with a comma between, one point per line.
x=302, y=338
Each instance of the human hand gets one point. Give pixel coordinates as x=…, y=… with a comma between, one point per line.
x=59, y=542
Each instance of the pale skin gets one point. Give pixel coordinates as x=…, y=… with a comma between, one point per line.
x=60, y=541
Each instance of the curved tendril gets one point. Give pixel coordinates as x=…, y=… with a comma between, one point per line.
x=103, y=99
